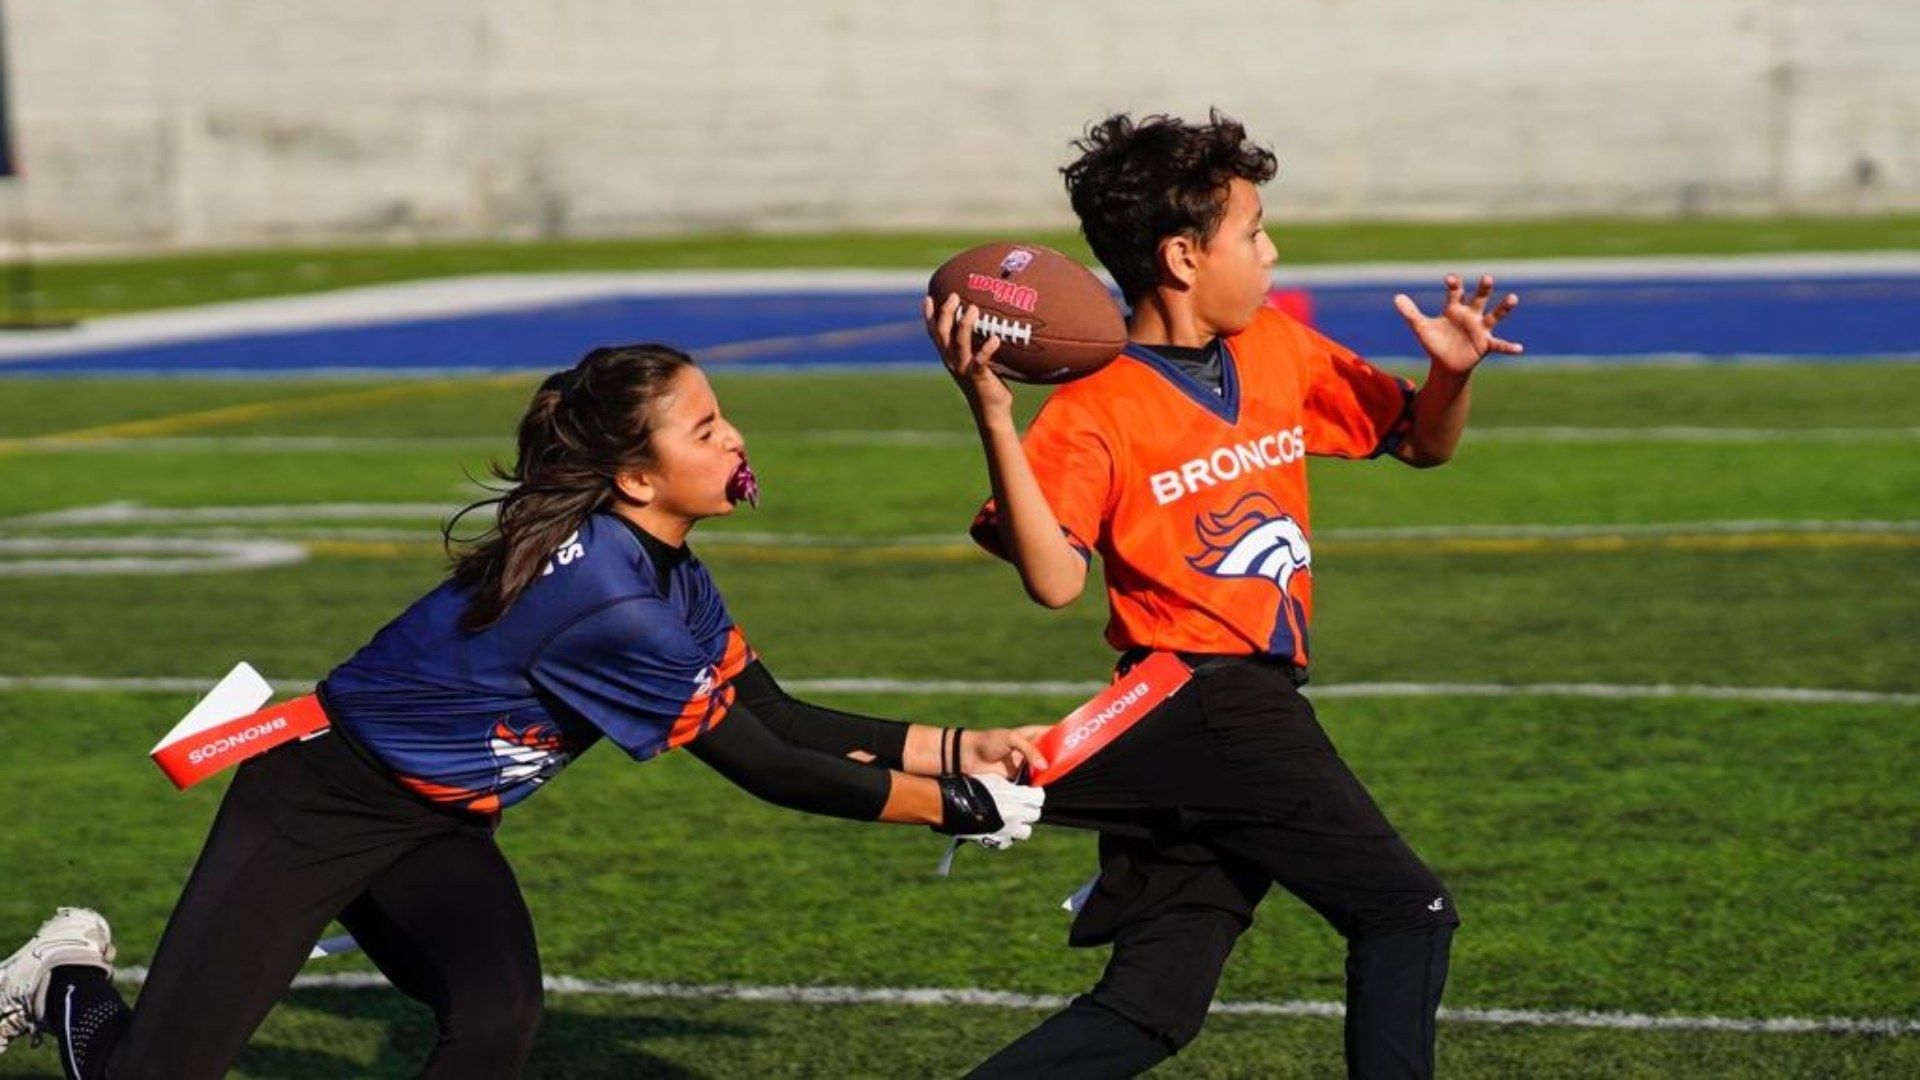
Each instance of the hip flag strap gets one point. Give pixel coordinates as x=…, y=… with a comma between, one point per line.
x=1105, y=717
x=228, y=726
x=1090, y=728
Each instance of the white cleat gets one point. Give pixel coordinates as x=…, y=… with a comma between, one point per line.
x=74, y=936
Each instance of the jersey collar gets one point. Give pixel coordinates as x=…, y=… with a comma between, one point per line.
x=1225, y=404
x=665, y=557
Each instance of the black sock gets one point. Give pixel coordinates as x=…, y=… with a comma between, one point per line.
x=1393, y=990
x=86, y=1014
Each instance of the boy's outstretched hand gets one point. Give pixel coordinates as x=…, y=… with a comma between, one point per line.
x=951, y=329
x=1461, y=335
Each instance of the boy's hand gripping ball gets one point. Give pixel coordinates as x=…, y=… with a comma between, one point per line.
x=1055, y=320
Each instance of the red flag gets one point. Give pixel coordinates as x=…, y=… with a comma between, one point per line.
x=1088, y=729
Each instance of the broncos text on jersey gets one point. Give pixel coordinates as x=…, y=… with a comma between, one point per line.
x=1196, y=500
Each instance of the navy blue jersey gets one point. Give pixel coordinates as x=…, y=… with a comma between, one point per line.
x=620, y=636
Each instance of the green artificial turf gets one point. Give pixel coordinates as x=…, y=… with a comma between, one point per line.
x=1672, y=856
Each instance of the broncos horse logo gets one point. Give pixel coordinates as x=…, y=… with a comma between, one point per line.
x=531, y=753
x=1252, y=538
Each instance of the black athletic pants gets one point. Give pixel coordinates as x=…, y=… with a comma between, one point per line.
x=309, y=832
x=1229, y=787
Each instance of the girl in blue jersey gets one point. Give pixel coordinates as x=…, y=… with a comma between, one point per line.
x=581, y=615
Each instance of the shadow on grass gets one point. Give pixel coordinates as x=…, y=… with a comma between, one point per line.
x=572, y=1042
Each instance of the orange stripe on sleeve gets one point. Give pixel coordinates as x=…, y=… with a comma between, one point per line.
x=737, y=656
x=699, y=715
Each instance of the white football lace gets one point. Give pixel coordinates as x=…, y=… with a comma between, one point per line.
x=1011, y=331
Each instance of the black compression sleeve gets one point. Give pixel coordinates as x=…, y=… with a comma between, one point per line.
x=816, y=727
x=742, y=749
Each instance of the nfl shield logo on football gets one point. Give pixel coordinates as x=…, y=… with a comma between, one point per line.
x=1017, y=260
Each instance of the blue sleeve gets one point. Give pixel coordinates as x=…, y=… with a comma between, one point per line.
x=632, y=669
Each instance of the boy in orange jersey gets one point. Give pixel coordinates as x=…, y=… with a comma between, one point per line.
x=1183, y=463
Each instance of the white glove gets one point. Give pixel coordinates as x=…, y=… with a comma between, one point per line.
x=1019, y=808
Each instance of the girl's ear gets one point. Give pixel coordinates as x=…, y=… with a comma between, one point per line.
x=633, y=486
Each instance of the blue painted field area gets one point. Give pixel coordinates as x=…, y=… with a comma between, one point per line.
x=1713, y=317
x=1823, y=318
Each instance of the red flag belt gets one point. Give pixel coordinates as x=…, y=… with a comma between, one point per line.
x=194, y=757
x=1093, y=726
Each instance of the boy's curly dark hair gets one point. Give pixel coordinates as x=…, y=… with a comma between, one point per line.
x=1137, y=183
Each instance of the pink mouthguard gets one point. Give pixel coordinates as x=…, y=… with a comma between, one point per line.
x=743, y=485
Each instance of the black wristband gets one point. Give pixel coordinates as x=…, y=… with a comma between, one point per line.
x=949, y=755
x=966, y=807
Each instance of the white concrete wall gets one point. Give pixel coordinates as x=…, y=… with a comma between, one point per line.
x=203, y=122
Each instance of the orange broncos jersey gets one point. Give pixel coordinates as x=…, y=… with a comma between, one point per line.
x=1197, y=501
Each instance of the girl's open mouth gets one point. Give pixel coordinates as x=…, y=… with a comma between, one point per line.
x=743, y=485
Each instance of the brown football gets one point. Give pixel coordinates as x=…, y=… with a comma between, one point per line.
x=1055, y=320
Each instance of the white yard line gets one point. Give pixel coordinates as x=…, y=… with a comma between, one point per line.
x=127, y=513
x=741, y=538
x=1650, y=528
x=130, y=513
x=1793, y=694
x=270, y=444
x=135, y=684
x=301, y=444
x=1520, y=434
x=215, y=538
x=1081, y=687
x=295, y=444
x=1800, y=695
x=142, y=555
x=999, y=999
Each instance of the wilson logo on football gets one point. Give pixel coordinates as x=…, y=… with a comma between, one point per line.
x=1012, y=294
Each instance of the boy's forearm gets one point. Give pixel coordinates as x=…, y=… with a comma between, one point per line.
x=1439, y=417
x=1052, y=571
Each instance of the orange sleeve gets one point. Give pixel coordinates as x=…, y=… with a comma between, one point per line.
x=1353, y=409
x=1071, y=458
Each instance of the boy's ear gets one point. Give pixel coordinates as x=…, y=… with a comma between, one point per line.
x=633, y=486
x=1179, y=258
